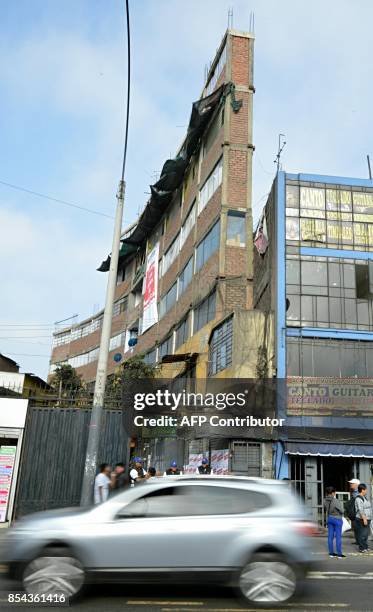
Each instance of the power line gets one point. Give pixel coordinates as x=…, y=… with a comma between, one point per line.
x=26, y=355
x=56, y=200
x=128, y=89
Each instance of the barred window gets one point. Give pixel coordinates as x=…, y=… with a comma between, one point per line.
x=205, y=312
x=220, y=349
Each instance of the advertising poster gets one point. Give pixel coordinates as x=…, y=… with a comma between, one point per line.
x=220, y=461
x=7, y=458
x=150, y=312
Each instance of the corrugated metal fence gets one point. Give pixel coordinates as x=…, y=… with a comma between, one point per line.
x=53, y=456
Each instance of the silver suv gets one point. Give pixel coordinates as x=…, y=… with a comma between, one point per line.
x=247, y=532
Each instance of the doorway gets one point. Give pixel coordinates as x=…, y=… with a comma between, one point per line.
x=338, y=471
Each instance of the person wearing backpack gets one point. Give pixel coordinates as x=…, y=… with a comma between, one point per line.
x=334, y=512
x=350, y=505
x=363, y=517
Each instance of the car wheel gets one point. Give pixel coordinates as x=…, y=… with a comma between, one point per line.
x=267, y=580
x=54, y=572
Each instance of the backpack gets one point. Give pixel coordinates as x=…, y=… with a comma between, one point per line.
x=350, y=508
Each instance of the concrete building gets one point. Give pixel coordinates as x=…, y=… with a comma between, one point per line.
x=21, y=384
x=315, y=273
x=195, y=237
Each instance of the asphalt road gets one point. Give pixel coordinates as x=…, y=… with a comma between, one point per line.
x=338, y=584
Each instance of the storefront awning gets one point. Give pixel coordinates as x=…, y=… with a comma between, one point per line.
x=329, y=450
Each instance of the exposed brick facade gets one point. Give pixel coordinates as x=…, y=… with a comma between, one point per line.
x=228, y=269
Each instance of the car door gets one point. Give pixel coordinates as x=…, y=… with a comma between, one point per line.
x=180, y=526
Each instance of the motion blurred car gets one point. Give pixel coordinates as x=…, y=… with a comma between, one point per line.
x=246, y=532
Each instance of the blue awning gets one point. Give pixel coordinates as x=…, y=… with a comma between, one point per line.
x=329, y=450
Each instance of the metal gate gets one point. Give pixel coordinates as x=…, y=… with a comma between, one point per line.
x=53, y=456
x=246, y=458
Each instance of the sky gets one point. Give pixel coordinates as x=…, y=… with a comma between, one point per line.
x=62, y=92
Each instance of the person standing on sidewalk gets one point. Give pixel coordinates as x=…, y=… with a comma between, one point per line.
x=334, y=512
x=363, y=517
x=137, y=473
x=102, y=484
x=350, y=506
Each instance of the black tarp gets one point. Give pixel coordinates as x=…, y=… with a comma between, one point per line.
x=124, y=252
x=173, y=170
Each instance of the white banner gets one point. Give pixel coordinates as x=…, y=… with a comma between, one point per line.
x=194, y=461
x=220, y=461
x=150, y=311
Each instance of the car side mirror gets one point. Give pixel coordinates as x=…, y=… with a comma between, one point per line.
x=136, y=509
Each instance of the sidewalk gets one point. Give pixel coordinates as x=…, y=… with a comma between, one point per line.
x=348, y=546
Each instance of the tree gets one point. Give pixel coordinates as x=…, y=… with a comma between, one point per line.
x=66, y=377
x=132, y=370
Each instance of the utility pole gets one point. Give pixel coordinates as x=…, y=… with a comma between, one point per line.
x=99, y=391
x=100, y=383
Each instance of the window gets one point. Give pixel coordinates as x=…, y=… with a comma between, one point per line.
x=121, y=275
x=205, y=312
x=335, y=358
x=171, y=254
x=120, y=306
x=151, y=357
x=186, y=276
x=364, y=280
x=220, y=349
x=217, y=72
x=168, y=300
x=208, y=246
x=194, y=500
x=337, y=217
x=188, y=224
x=211, y=134
x=165, y=348
x=182, y=333
x=210, y=185
x=116, y=341
x=236, y=229
x=81, y=360
x=329, y=292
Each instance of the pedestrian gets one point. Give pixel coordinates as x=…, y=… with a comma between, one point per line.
x=334, y=512
x=137, y=472
x=350, y=504
x=173, y=470
x=363, y=517
x=119, y=477
x=152, y=472
x=103, y=484
x=204, y=468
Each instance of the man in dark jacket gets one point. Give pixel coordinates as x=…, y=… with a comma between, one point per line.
x=173, y=470
x=119, y=477
x=204, y=468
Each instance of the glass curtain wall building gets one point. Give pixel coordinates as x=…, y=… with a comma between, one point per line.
x=317, y=277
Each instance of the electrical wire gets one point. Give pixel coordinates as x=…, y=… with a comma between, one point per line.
x=56, y=200
x=128, y=89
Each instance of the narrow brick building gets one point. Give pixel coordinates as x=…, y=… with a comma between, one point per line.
x=197, y=227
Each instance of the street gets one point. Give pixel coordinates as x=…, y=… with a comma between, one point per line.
x=338, y=584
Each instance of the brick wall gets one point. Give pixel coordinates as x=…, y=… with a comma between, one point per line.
x=234, y=290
